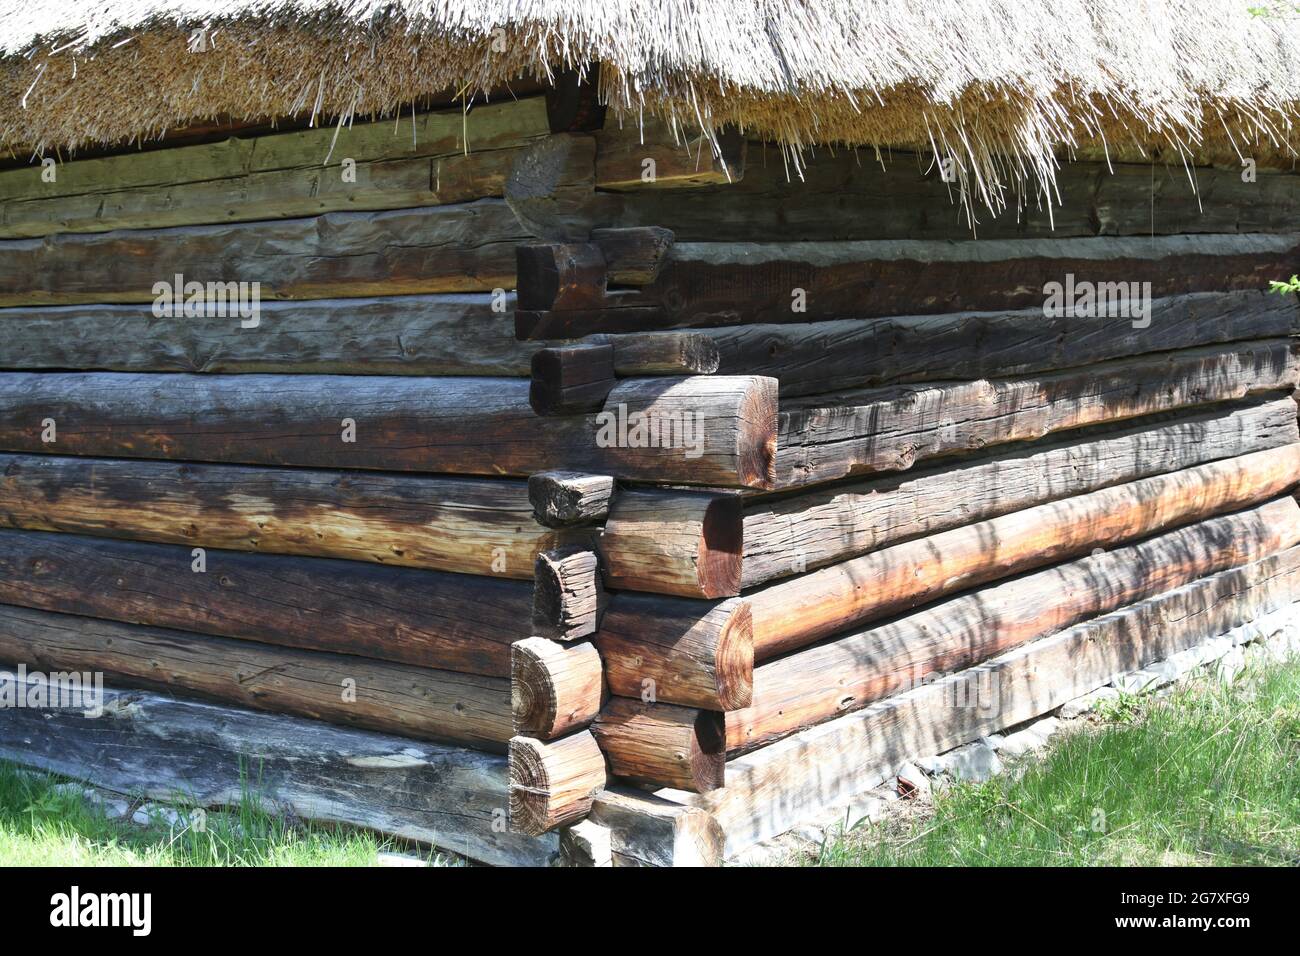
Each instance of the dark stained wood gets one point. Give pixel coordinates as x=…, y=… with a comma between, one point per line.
x=647, y=153
x=717, y=430
x=459, y=622
x=560, y=276
x=568, y=596
x=790, y=535
x=374, y=695
x=635, y=255
x=663, y=745
x=572, y=379
x=564, y=498
x=678, y=651
x=578, y=323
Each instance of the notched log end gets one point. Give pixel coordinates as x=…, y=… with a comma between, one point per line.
x=756, y=436
x=734, y=655
x=553, y=689
x=552, y=784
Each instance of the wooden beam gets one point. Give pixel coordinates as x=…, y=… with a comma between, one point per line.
x=532, y=325
x=852, y=671
x=779, y=786
x=453, y=334
x=673, y=542
x=551, y=188
x=633, y=255
x=306, y=172
x=795, y=534
x=467, y=525
x=563, y=498
x=552, y=784
x=572, y=379
x=851, y=353
x=678, y=651
x=716, y=430
x=587, y=845
x=159, y=747
x=459, y=622
x=803, y=610
x=467, y=247
x=568, y=596
x=554, y=688
x=829, y=437
x=561, y=276
x=336, y=688
x=663, y=745
x=646, y=830
x=652, y=155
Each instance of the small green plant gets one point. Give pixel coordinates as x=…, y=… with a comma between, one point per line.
x=1124, y=709
x=1282, y=288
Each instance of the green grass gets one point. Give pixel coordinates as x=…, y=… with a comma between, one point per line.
x=1208, y=775
x=42, y=826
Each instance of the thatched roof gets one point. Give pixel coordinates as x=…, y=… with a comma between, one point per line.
x=1002, y=85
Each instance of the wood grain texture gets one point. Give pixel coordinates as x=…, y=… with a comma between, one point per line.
x=563, y=498
x=553, y=783
x=159, y=746
x=662, y=745
x=554, y=688
x=571, y=379
x=829, y=437
x=776, y=787
x=849, y=672
x=650, y=154
x=646, y=830
x=701, y=429
x=569, y=599
x=460, y=622
x=335, y=688
x=803, y=610
x=794, y=534
x=467, y=525
x=673, y=542
x=694, y=653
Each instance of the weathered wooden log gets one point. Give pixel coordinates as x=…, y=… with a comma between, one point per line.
x=459, y=622
x=652, y=155
x=850, y=672
x=552, y=189
x=455, y=334
x=778, y=786
x=553, y=783
x=578, y=323
x=160, y=747
x=586, y=845
x=467, y=247
x=568, y=596
x=795, y=534
x=906, y=198
x=300, y=173
x=830, y=437
x=673, y=542
x=633, y=256
x=716, y=430
x=801, y=611
x=712, y=284
x=673, y=650
x=572, y=379
x=663, y=745
x=340, y=689
x=563, y=498
x=554, y=689
x=646, y=830
x=849, y=353
x=563, y=276
x=467, y=525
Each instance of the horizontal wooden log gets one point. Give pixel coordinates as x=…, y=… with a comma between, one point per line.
x=791, y=535
x=670, y=649
x=650, y=154
x=850, y=672
x=553, y=783
x=560, y=275
x=467, y=525
x=849, y=353
x=579, y=323
x=568, y=596
x=160, y=747
x=459, y=622
x=554, y=689
x=662, y=745
x=774, y=788
x=831, y=437
x=635, y=255
x=716, y=430
x=305, y=172
x=551, y=188
x=454, y=334
x=673, y=542
x=586, y=845
x=906, y=198
x=572, y=379
x=562, y=498
x=646, y=830
x=803, y=610
x=336, y=688
x=465, y=247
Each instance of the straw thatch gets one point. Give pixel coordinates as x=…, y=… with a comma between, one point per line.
x=1004, y=86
